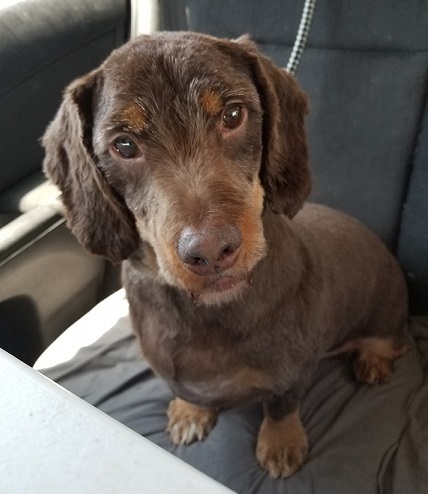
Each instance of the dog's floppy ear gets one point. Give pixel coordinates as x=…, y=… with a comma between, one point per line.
x=94, y=212
x=285, y=172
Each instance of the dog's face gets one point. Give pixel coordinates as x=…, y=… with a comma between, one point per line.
x=177, y=140
x=180, y=142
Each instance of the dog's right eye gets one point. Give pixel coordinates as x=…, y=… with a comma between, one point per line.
x=233, y=116
x=126, y=148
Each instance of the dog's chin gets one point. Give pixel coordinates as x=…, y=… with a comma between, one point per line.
x=210, y=290
x=220, y=289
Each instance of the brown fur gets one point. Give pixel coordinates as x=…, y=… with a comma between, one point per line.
x=133, y=118
x=211, y=102
x=244, y=306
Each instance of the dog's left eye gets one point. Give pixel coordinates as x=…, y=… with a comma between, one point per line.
x=233, y=116
x=126, y=148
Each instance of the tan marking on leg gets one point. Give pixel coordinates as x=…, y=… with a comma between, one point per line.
x=282, y=446
x=374, y=363
x=188, y=423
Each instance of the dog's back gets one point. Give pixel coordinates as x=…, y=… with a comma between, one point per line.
x=363, y=283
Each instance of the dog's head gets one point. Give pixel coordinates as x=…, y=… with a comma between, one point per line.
x=177, y=142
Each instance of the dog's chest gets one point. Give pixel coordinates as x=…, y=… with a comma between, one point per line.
x=208, y=373
x=217, y=379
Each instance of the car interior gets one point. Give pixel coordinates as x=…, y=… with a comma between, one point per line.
x=63, y=311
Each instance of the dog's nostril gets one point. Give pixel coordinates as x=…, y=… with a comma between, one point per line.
x=230, y=249
x=227, y=251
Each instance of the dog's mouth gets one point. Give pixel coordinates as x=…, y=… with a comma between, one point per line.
x=221, y=283
x=221, y=288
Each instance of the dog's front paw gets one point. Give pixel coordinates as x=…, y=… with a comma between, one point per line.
x=282, y=446
x=188, y=423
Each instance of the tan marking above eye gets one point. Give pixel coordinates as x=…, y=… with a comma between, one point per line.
x=134, y=118
x=211, y=102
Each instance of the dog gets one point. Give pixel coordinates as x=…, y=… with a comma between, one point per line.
x=185, y=156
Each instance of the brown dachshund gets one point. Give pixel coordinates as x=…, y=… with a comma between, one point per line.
x=185, y=156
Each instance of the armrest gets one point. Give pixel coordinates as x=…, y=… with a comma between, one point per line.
x=56, y=442
x=47, y=281
x=25, y=228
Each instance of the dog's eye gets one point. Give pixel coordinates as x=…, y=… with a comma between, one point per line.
x=126, y=148
x=233, y=116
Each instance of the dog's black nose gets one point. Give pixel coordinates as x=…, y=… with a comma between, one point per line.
x=209, y=250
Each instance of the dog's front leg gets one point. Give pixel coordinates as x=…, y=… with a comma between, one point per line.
x=282, y=443
x=188, y=422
